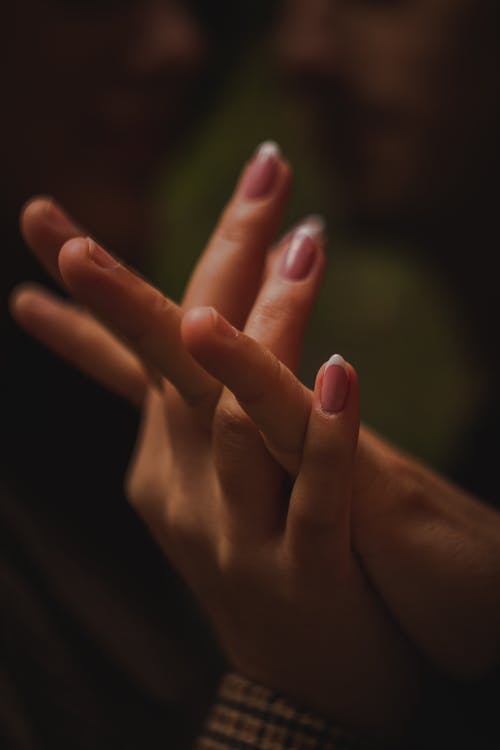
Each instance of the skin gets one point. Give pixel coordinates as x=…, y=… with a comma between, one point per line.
x=403, y=522
x=203, y=413
x=428, y=550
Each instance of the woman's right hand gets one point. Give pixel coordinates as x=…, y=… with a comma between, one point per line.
x=204, y=482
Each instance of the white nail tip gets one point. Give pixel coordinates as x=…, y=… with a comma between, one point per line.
x=337, y=360
x=316, y=223
x=313, y=227
x=267, y=149
x=306, y=230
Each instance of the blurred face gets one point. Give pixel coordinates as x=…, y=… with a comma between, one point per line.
x=402, y=93
x=94, y=93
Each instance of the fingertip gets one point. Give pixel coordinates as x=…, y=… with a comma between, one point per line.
x=75, y=248
x=197, y=321
x=201, y=327
x=35, y=204
x=198, y=326
x=73, y=259
x=32, y=213
x=19, y=300
x=41, y=213
x=28, y=302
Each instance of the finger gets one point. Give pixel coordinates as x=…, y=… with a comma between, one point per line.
x=267, y=391
x=138, y=312
x=45, y=228
x=263, y=386
x=321, y=499
x=77, y=337
x=280, y=314
x=229, y=273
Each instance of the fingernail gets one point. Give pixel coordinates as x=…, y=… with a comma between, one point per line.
x=262, y=173
x=335, y=386
x=222, y=326
x=301, y=253
x=317, y=223
x=314, y=221
x=99, y=256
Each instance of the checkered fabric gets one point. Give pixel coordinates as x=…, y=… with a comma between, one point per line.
x=246, y=716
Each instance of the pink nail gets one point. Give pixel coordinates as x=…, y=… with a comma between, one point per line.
x=263, y=171
x=100, y=257
x=335, y=385
x=301, y=253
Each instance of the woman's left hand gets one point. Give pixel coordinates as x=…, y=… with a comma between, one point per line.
x=265, y=547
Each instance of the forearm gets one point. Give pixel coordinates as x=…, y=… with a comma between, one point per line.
x=433, y=553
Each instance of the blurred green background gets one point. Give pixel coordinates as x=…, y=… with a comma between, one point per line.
x=381, y=307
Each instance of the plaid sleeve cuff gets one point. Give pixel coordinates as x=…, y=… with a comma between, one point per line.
x=247, y=716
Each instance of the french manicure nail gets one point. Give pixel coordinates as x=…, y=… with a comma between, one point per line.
x=335, y=386
x=316, y=223
x=301, y=253
x=262, y=172
x=100, y=257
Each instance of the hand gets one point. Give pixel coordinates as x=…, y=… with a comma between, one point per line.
x=431, y=551
x=397, y=503
x=217, y=502
x=377, y=654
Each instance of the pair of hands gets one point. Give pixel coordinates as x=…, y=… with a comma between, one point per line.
x=305, y=546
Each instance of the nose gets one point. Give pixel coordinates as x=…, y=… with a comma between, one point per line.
x=308, y=38
x=168, y=36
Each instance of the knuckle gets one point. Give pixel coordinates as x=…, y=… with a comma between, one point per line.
x=231, y=232
x=331, y=447
x=310, y=524
x=240, y=224
x=280, y=308
x=159, y=304
x=142, y=489
x=270, y=312
x=323, y=454
x=273, y=382
x=231, y=564
x=232, y=425
x=135, y=489
x=203, y=401
x=155, y=306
